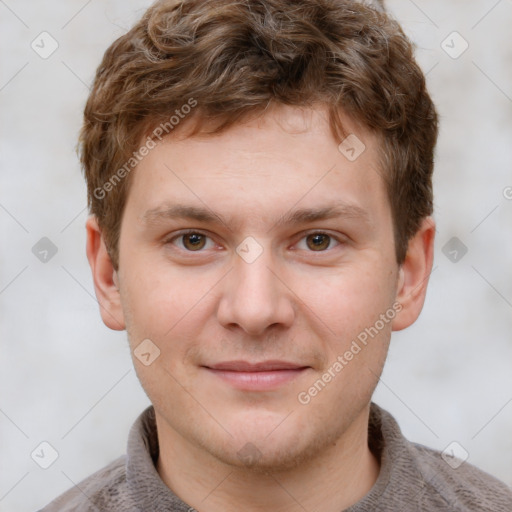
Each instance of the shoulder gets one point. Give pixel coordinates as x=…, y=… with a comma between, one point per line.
x=105, y=489
x=414, y=477
x=460, y=485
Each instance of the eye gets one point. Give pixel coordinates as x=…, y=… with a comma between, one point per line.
x=318, y=241
x=191, y=241
x=196, y=241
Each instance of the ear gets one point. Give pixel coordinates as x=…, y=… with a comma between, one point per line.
x=414, y=274
x=104, y=277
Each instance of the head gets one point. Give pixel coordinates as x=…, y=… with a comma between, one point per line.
x=243, y=123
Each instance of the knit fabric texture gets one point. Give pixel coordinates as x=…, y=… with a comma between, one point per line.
x=412, y=478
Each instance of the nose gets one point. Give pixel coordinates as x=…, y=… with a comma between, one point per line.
x=256, y=296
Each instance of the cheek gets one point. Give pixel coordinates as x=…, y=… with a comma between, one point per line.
x=350, y=300
x=159, y=300
x=354, y=336
x=171, y=313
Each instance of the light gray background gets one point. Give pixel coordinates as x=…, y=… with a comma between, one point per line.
x=68, y=380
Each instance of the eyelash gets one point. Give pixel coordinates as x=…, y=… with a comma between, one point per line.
x=181, y=234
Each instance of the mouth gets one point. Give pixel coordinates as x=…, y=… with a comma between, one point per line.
x=260, y=376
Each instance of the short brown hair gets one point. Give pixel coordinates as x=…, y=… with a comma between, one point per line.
x=233, y=58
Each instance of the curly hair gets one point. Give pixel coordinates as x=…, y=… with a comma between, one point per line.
x=219, y=61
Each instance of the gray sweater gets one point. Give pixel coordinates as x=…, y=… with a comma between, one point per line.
x=412, y=478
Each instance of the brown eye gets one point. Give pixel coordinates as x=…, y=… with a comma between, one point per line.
x=318, y=241
x=194, y=241
x=188, y=241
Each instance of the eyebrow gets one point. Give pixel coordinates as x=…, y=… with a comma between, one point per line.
x=299, y=216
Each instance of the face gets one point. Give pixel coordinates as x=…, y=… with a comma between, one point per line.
x=255, y=260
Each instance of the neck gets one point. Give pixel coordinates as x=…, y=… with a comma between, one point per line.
x=338, y=477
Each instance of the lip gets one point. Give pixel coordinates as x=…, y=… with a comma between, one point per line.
x=260, y=376
x=263, y=366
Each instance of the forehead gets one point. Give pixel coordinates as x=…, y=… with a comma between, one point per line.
x=284, y=162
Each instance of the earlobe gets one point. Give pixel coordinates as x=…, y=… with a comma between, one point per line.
x=414, y=274
x=106, y=280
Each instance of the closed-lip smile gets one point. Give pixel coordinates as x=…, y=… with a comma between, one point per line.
x=258, y=376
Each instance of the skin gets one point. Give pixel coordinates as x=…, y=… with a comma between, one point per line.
x=296, y=302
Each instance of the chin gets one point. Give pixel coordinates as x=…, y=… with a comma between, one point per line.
x=268, y=450
x=265, y=459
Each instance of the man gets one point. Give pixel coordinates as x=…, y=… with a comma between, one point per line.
x=259, y=181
